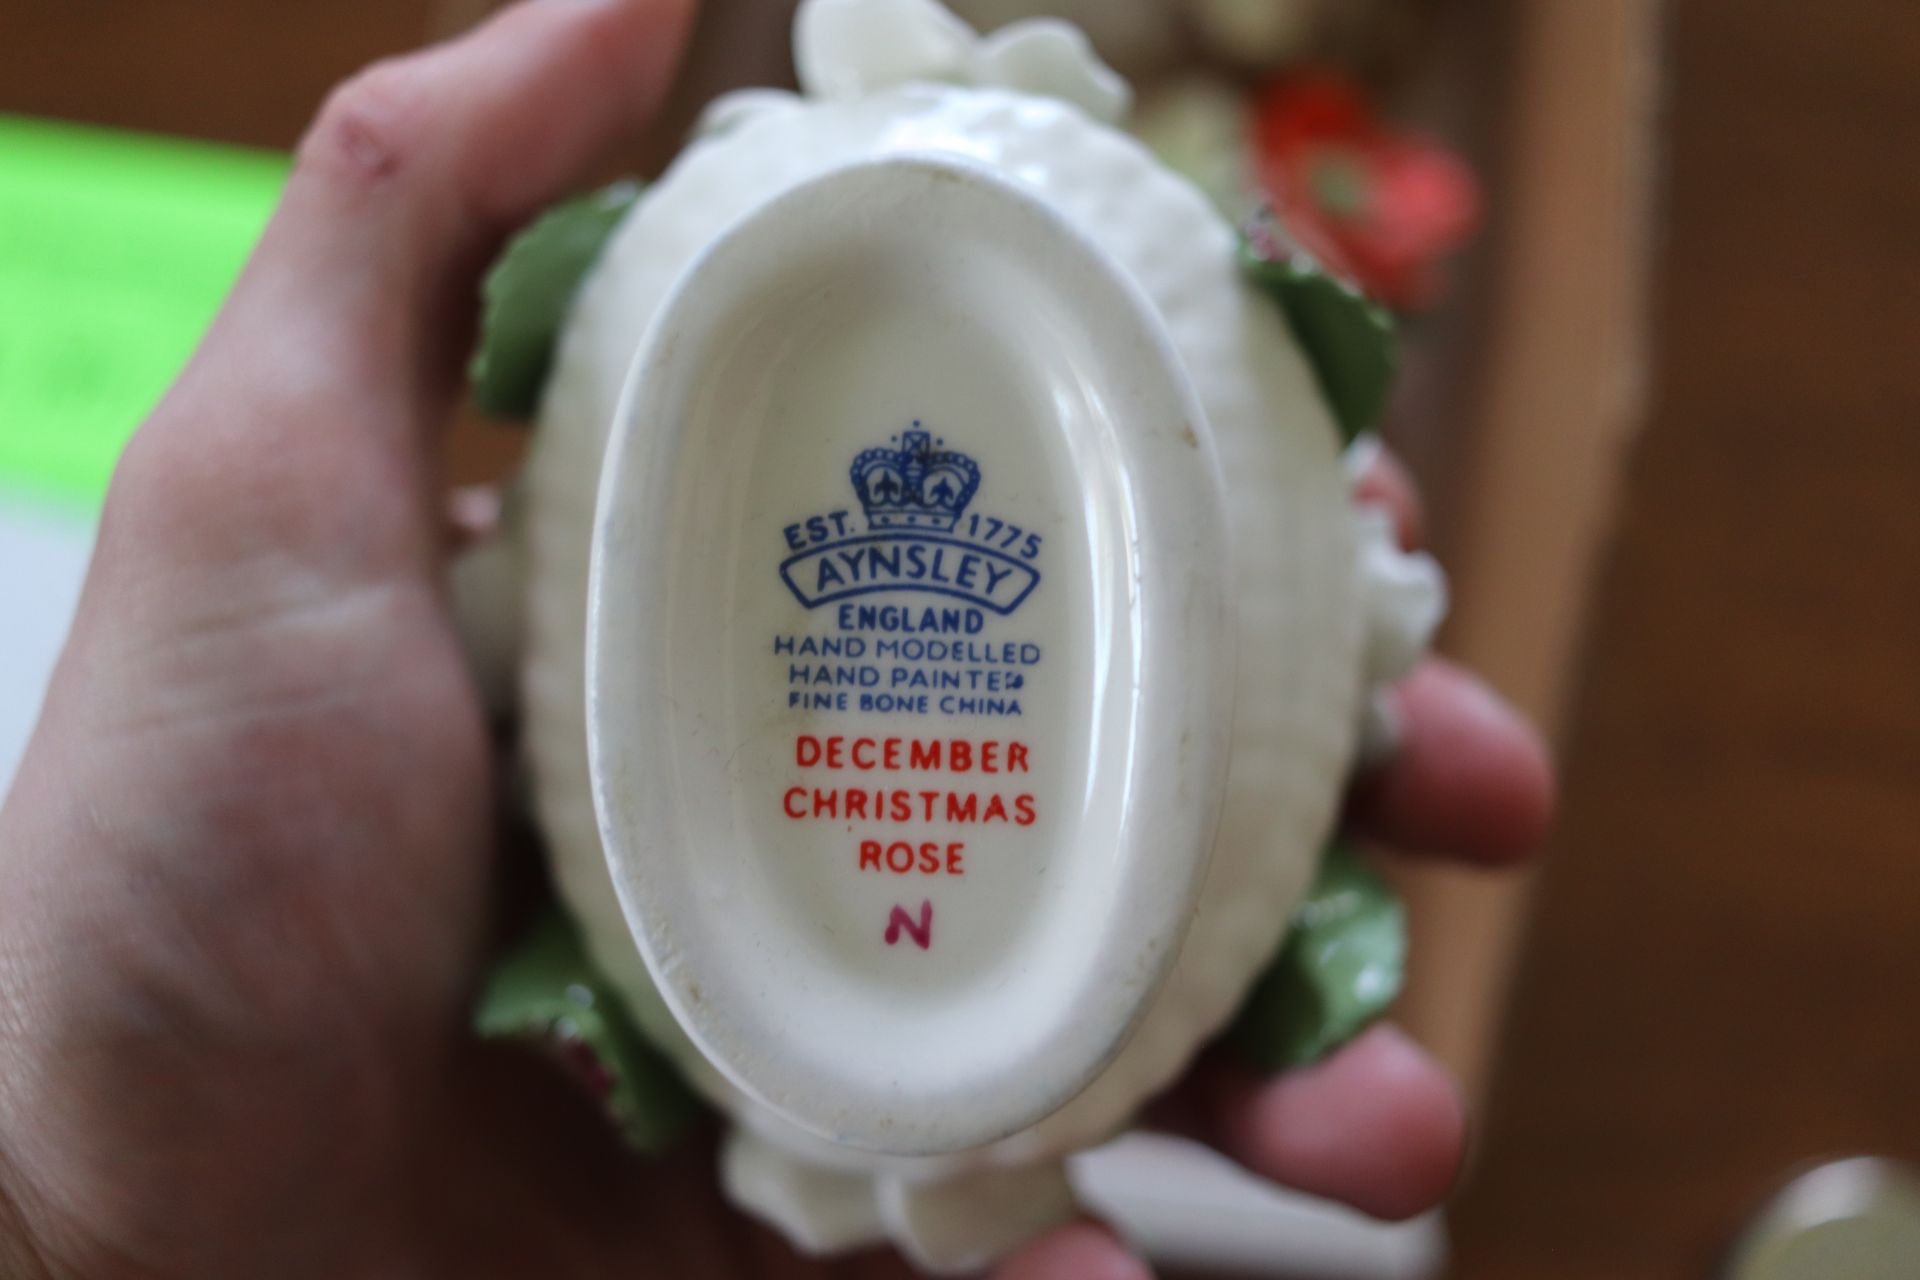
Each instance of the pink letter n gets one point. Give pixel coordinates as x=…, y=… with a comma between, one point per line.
x=921, y=930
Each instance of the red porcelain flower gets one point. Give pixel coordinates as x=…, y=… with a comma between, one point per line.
x=1377, y=206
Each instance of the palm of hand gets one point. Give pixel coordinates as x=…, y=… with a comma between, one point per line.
x=275, y=1030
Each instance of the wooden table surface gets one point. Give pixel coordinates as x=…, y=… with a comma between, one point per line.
x=1723, y=975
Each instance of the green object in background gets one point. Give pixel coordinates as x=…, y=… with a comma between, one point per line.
x=547, y=993
x=115, y=252
x=528, y=293
x=1338, y=970
x=1348, y=337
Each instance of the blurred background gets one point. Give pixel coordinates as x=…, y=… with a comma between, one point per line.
x=1664, y=393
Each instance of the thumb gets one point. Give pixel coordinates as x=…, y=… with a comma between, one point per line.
x=305, y=426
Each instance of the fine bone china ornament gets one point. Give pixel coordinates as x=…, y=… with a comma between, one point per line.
x=892, y=545
x=941, y=631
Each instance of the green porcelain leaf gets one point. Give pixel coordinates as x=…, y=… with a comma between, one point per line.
x=547, y=993
x=1347, y=336
x=527, y=295
x=1338, y=970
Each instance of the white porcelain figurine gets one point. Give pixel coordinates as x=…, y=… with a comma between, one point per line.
x=938, y=618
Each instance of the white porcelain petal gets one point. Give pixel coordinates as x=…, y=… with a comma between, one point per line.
x=818, y=1210
x=730, y=110
x=959, y=1225
x=1381, y=730
x=1406, y=597
x=1051, y=59
x=1360, y=455
x=845, y=48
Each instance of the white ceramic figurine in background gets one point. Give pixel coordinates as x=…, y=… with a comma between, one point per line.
x=1147, y=36
x=938, y=617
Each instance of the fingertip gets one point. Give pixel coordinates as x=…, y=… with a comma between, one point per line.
x=1379, y=1126
x=611, y=64
x=430, y=157
x=1471, y=777
x=1078, y=1251
x=353, y=316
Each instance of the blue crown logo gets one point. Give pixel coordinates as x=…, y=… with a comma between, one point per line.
x=916, y=486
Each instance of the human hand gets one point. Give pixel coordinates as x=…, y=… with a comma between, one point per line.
x=248, y=857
